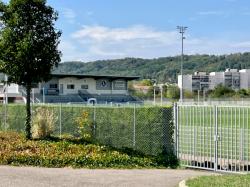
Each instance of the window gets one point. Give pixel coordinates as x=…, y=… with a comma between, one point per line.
x=120, y=84
x=53, y=86
x=70, y=86
x=84, y=87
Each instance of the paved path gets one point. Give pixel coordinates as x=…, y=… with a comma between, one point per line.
x=42, y=177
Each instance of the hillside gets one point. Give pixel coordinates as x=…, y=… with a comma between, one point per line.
x=162, y=69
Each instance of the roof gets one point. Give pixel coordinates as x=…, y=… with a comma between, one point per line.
x=113, y=77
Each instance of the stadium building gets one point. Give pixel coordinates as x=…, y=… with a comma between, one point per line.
x=76, y=88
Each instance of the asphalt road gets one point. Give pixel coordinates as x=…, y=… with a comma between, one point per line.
x=42, y=177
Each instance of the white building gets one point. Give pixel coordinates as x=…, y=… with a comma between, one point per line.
x=186, y=82
x=65, y=84
x=78, y=88
x=231, y=78
x=195, y=82
x=11, y=91
x=244, y=79
x=215, y=78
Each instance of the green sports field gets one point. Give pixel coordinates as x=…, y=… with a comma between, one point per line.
x=209, y=131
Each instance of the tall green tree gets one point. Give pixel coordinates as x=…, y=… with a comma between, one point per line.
x=173, y=92
x=28, y=44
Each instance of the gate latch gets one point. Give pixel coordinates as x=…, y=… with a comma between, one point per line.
x=217, y=137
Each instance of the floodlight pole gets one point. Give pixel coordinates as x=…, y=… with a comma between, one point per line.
x=182, y=30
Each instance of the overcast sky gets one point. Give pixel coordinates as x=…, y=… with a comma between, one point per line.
x=108, y=29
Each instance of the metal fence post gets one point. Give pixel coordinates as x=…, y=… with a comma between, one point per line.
x=134, y=125
x=5, y=115
x=94, y=119
x=176, y=129
x=216, y=138
x=60, y=120
x=241, y=144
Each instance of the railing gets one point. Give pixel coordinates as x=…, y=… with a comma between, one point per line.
x=213, y=137
x=24, y=94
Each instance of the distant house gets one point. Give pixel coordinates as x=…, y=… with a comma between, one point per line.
x=141, y=88
x=64, y=88
x=12, y=91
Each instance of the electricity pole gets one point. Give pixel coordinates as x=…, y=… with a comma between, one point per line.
x=182, y=30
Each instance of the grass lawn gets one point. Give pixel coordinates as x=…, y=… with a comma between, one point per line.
x=70, y=152
x=197, y=131
x=220, y=181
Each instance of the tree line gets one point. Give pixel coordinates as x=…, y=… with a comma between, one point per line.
x=172, y=92
x=164, y=69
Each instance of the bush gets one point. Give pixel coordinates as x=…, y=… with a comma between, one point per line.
x=68, y=152
x=43, y=123
x=222, y=91
x=85, y=126
x=113, y=125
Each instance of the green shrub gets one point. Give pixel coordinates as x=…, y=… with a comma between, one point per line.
x=113, y=126
x=16, y=150
x=43, y=123
x=85, y=126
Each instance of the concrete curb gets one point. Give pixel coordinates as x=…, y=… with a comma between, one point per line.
x=183, y=183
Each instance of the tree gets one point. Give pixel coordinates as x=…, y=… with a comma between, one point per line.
x=28, y=45
x=222, y=91
x=242, y=93
x=173, y=92
x=146, y=82
x=188, y=94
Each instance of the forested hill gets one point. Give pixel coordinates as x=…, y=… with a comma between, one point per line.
x=162, y=69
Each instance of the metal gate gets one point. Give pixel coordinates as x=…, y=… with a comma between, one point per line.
x=213, y=137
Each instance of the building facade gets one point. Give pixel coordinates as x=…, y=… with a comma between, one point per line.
x=195, y=82
x=231, y=78
x=65, y=84
x=79, y=88
x=244, y=78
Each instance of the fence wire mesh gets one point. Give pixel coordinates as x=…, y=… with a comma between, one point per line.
x=146, y=129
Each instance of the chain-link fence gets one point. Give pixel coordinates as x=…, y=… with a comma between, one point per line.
x=146, y=129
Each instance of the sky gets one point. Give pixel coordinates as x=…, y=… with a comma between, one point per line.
x=111, y=29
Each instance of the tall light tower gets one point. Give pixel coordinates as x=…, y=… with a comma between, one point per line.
x=181, y=30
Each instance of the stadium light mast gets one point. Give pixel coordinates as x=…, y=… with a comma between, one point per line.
x=182, y=30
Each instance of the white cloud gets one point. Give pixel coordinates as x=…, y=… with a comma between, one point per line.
x=70, y=51
x=205, y=13
x=101, y=33
x=69, y=14
x=100, y=42
x=245, y=44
